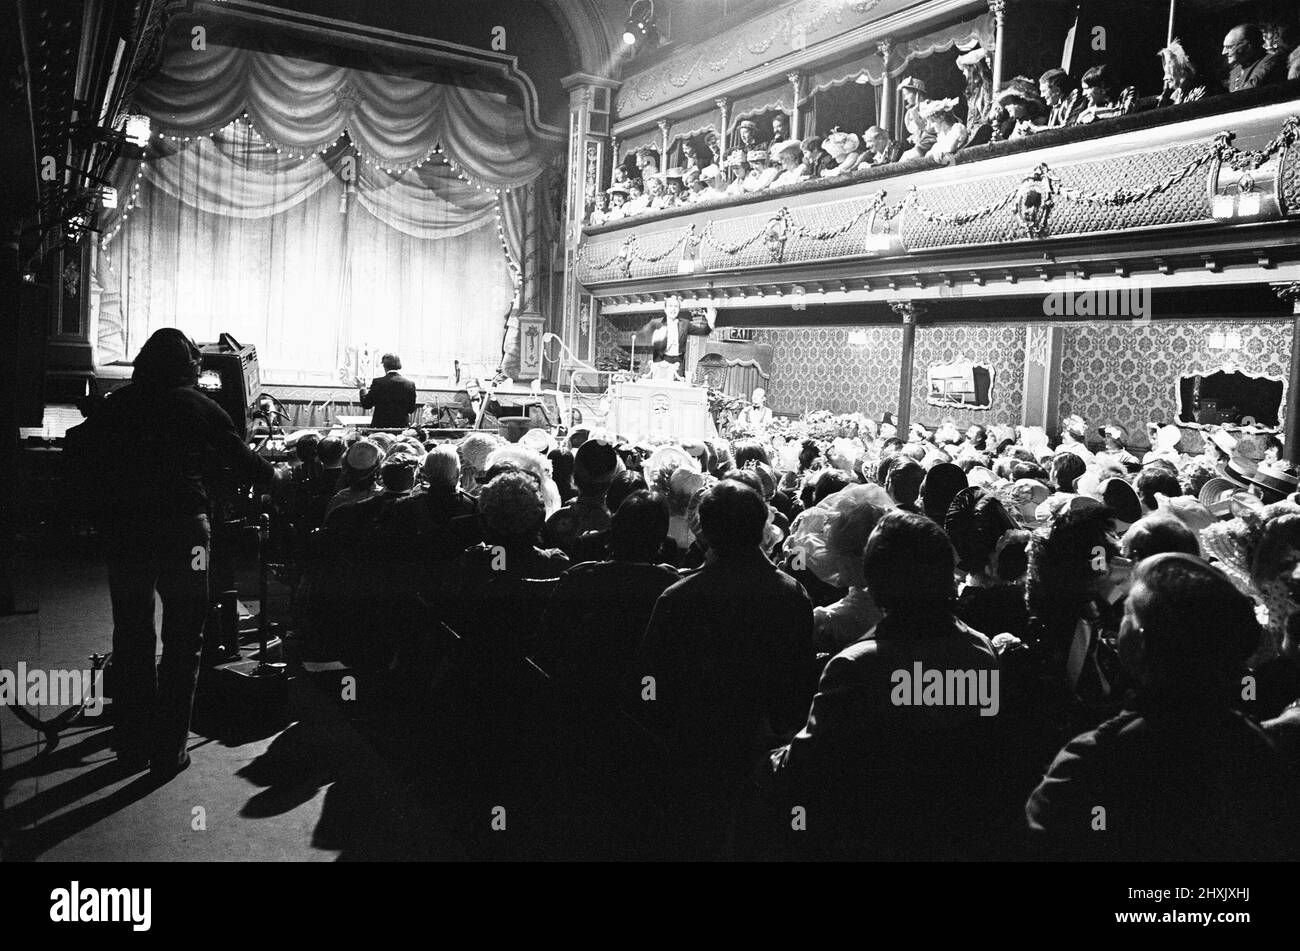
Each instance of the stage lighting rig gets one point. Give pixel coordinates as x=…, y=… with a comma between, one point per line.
x=640, y=31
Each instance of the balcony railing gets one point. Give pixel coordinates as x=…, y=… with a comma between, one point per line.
x=1179, y=165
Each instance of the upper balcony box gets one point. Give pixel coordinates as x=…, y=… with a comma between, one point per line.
x=1219, y=162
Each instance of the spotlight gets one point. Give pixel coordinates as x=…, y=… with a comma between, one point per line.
x=640, y=28
x=138, y=130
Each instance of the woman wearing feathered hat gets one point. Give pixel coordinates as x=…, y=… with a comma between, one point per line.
x=1025, y=106
x=950, y=133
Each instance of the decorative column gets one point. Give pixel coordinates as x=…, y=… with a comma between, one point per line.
x=999, y=10
x=885, y=47
x=590, y=104
x=663, y=144
x=796, y=84
x=1290, y=293
x=1041, y=387
x=724, y=127
x=909, y=311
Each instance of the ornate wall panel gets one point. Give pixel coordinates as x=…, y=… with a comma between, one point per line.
x=817, y=368
x=1000, y=347
x=1127, y=372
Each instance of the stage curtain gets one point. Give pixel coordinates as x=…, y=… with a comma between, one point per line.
x=302, y=101
x=306, y=257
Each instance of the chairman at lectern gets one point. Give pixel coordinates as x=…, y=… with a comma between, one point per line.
x=672, y=332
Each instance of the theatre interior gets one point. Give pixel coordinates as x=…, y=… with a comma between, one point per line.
x=475, y=296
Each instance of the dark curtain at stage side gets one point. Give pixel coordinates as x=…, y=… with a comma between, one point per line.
x=307, y=258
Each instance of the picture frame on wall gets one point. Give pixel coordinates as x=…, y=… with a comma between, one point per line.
x=961, y=384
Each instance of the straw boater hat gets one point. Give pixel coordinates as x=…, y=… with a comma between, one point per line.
x=1224, y=440
x=747, y=124
x=673, y=173
x=1216, y=495
x=1280, y=478
x=618, y=188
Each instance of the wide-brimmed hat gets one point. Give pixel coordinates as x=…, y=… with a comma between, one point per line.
x=362, y=456
x=667, y=456
x=1121, y=498
x=747, y=124
x=756, y=155
x=933, y=107
x=1224, y=440
x=972, y=57
x=840, y=143
x=911, y=82
x=1281, y=478
x=1238, y=470
x=832, y=534
x=1116, y=432
x=1229, y=545
x=1024, y=91
x=538, y=440
x=1216, y=495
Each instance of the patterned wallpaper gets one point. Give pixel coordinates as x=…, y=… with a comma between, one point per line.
x=1001, y=347
x=1127, y=372
x=1119, y=371
x=817, y=368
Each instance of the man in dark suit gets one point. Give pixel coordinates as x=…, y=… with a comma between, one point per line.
x=391, y=396
x=672, y=333
x=730, y=653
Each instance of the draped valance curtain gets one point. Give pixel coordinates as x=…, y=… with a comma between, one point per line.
x=318, y=203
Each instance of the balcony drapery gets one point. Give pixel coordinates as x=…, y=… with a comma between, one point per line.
x=309, y=204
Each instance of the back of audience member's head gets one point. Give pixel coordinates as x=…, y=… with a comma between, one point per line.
x=562, y=470
x=1279, y=542
x=1068, y=559
x=975, y=522
x=732, y=517
x=746, y=477
x=1187, y=630
x=904, y=481
x=511, y=509
x=639, y=527
x=329, y=453
x=441, y=469
x=1028, y=470
x=829, y=481
x=745, y=451
x=939, y=487
x=1157, y=534
x=398, y=472
x=1066, y=469
x=621, y=486
x=307, y=448
x=909, y=564
x=1153, y=480
x=594, y=467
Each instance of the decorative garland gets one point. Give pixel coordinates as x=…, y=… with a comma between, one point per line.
x=782, y=225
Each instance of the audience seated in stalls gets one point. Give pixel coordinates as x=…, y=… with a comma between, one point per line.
x=474, y=450
x=1104, y=98
x=1157, y=534
x=520, y=457
x=730, y=652
x=1060, y=93
x=903, y=483
x=591, y=632
x=594, y=466
x=1153, y=481
x=990, y=548
x=940, y=486
x=562, y=472
x=890, y=779
x=1182, y=82
x=844, y=149
x=829, y=539
x=359, y=476
x=1116, y=451
x=1182, y=775
x=1250, y=65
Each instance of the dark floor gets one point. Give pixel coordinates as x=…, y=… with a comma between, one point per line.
x=385, y=773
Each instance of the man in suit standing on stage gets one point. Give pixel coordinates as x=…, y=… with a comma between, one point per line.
x=391, y=396
x=672, y=333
